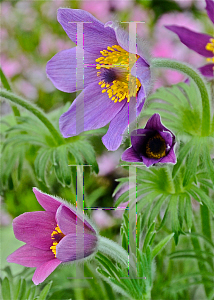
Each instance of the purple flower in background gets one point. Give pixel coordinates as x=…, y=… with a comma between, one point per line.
x=201, y=43
x=114, y=91
x=151, y=145
x=51, y=237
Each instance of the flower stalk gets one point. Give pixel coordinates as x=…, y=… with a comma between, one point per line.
x=7, y=95
x=198, y=79
x=113, y=250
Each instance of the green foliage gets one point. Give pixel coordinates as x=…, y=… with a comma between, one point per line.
x=19, y=288
x=180, y=109
x=30, y=132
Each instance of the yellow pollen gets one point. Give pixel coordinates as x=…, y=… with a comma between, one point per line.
x=56, y=235
x=210, y=47
x=126, y=85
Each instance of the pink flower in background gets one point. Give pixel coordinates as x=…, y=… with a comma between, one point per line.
x=166, y=45
x=108, y=162
x=103, y=9
x=102, y=219
x=51, y=237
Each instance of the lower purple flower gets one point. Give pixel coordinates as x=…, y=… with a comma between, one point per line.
x=54, y=236
x=151, y=145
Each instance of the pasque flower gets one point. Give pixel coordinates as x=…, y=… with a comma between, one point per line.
x=151, y=145
x=116, y=82
x=52, y=237
x=199, y=42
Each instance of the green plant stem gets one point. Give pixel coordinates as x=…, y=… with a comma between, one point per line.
x=112, y=249
x=202, y=266
x=7, y=86
x=34, y=110
x=198, y=79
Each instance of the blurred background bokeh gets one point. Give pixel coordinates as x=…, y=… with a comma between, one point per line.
x=30, y=36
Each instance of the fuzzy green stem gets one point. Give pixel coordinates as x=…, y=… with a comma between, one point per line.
x=113, y=250
x=7, y=86
x=34, y=110
x=198, y=79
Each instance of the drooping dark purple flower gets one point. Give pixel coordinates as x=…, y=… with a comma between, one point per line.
x=116, y=82
x=201, y=43
x=52, y=237
x=151, y=145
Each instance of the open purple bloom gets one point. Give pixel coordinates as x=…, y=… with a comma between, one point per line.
x=51, y=237
x=201, y=43
x=151, y=145
x=116, y=82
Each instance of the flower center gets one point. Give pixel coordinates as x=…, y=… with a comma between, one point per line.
x=56, y=235
x=115, y=66
x=156, y=147
x=210, y=47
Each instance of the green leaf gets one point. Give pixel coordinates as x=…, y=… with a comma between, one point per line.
x=208, y=161
x=156, y=208
x=173, y=203
x=188, y=212
x=204, y=198
x=181, y=156
x=148, y=236
x=22, y=289
x=61, y=167
x=159, y=247
x=192, y=161
x=40, y=164
x=5, y=289
x=45, y=291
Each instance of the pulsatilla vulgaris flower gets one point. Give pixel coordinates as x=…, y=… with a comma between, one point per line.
x=52, y=237
x=201, y=43
x=116, y=81
x=151, y=145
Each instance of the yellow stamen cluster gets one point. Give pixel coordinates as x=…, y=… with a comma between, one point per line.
x=126, y=85
x=57, y=231
x=210, y=47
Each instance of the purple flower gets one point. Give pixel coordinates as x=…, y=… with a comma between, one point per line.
x=51, y=237
x=201, y=43
x=112, y=93
x=151, y=145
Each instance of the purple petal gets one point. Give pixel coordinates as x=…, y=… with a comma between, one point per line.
x=72, y=245
x=97, y=111
x=166, y=135
x=122, y=37
x=144, y=75
x=43, y=271
x=170, y=157
x=113, y=138
x=29, y=256
x=130, y=155
x=193, y=40
x=154, y=123
x=149, y=161
x=49, y=203
x=68, y=221
x=96, y=37
x=61, y=70
x=35, y=228
x=210, y=9
x=139, y=137
x=207, y=70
